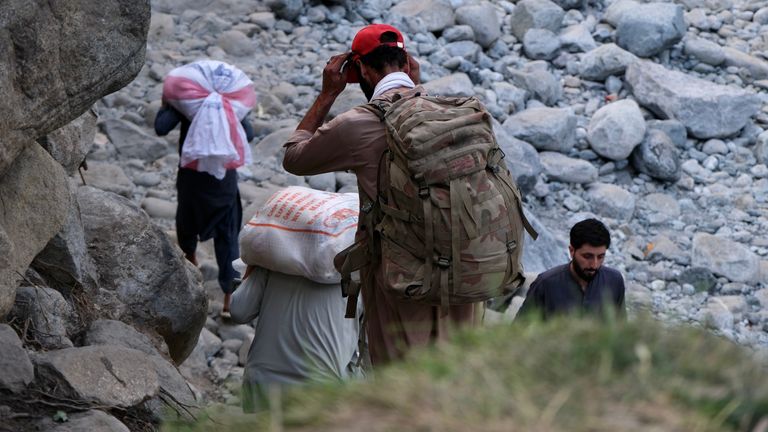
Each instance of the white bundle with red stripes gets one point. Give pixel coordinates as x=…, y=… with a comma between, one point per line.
x=299, y=231
x=215, y=96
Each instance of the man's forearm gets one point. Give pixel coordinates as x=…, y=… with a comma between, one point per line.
x=317, y=112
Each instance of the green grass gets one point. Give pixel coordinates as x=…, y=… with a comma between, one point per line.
x=567, y=375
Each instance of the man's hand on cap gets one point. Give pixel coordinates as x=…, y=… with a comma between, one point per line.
x=334, y=81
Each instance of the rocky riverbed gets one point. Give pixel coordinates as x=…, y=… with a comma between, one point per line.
x=650, y=116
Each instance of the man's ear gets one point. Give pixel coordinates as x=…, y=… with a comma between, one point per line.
x=571, y=250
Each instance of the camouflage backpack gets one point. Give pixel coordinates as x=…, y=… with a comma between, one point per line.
x=447, y=222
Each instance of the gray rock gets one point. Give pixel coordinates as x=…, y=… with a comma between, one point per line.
x=716, y=315
x=548, y=250
x=69, y=144
x=541, y=44
x=457, y=84
x=665, y=249
x=236, y=43
x=209, y=343
x=161, y=27
x=673, y=128
x=762, y=297
x=510, y=97
x=159, y=208
x=108, y=177
x=64, y=263
x=611, y=201
x=715, y=146
x=658, y=208
x=111, y=332
x=705, y=51
x=521, y=158
x=18, y=371
x=649, y=29
x=93, y=420
x=432, y=15
x=540, y=83
x=615, y=129
x=51, y=319
x=65, y=57
x=530, y=14
x=132, y=142
x=657, y=157
x=560, y=167
x=483, y=20
x=242, y=332
x=172, y=382
x=707, y=110
x=459, y=33
x=467, y=50
x=107, y=375
x=232, y=345
x=286, y=9
x=35, y=203
x=725, y=257
x=604, y=61
x=552, y=129
x=265, y=20
x=700, y=278
x=615, y=11
x=147, y=179
x=324, y=182
x=758, y=69
x=374, y=9
x=761, y=148
x=577, y=38
x=144, y=278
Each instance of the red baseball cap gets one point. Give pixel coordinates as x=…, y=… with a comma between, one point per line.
x=368, y=39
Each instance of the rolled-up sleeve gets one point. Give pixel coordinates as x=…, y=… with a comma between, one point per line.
x=335, y=146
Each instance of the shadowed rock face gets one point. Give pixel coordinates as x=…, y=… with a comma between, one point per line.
x=60, y=57
x=56, y=60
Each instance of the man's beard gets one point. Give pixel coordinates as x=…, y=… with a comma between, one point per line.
x=580, y=272
x=367, y=88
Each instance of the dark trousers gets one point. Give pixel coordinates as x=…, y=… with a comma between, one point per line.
x=210, y=208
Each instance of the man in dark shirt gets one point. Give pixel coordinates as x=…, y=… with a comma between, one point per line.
x=207, y=207
x=584, y=285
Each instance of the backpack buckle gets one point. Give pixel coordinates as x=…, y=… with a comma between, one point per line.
x=444, y=262
x=366, y=208
x=511, y=246
x=423, y=191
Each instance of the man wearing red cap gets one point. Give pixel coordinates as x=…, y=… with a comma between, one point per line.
x=356, y=140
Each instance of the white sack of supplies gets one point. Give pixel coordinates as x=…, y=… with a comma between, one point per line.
x=299, y=231
x=215, y=97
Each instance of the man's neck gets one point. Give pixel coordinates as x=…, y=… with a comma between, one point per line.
x=581, y=282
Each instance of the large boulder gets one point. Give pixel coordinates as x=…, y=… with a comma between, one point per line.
x=61, y=57
x=725, y=257
x=552, y=129
x=616, y=129
x=51, y=319
x=111, y=332
x=706, y=109
x=657, y=156
x=542, y=14
x=132, y=141
x=17, y=369
x=64, y=263
x=429, y=15
x=34, y=199
x=69, y=144
x=93, y=420
x=559, y=167
x=484, y=20
x=144, y=280
x=648, y=29
x=457, y=84
x=108, y=375
x=548, y=250
x=611, y=201
x=609, y=59
x=521, y=158
x=540, y=83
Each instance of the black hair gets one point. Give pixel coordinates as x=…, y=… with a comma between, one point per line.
x=591, y=232
x=385, y=55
